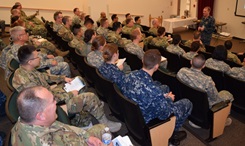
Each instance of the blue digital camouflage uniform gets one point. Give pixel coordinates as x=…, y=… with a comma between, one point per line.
x=197, y=79
x=160, y=42
x=238, y=73
x=112, y=73
x=217, y=65
x=57, y=134
x=190, y=55
x=233, y=57
x=176, y=49
x=95, y=58
x=102, y=31
x=149, y=95
x=209, y=27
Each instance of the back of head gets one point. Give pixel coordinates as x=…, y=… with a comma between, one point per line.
x=76, y=28
x=88, y=35
x=98, y=41
x=65, y=19
x=196, y=35
x=128, y=20
x=136, y=18
x=56, y=15
x=176, y=39
x=88, y=21
x=29, y=104
x=74, y=10
x=220, y=53
x=135, y=33
x=228, y=44
x=108, y=51
x=195, y=46
x=103, y=21
x=160, y=31
x=116, y=25
x=114, y=16
x=25, y=53
x=151, y=58
x=198, y=61
x=15, y=32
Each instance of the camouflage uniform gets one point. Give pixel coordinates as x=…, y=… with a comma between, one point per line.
x=217, y=65
x=197, y=79
x=95, y=58
x=87, y=101
x=45, y=46
x=57, y=27
x=112, y=73
x=176, y=49
x=153, y=30
x=77, y=20
x=116, y=38
x=124, y=22
x=209, y=27
x=2, y=44
x=37, y=29
x=238, y=72
x=87, y=49
x=189, y=42
x=79, y=45
x=57, y=134
x=160, y=42
x=65, y=33
x=111, y=24
x=128, y=30
x=231, y=56
x=138, y=26
x=102, y=31
x=32, y=18
x=3, y=63
x=190, y=55
x=139, y=87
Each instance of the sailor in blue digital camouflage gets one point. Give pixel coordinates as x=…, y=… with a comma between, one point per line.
x=27, y=76
x=175, y=48
x=196, y=38
x=217, y=60
x=238, y=72
x=196, y=78
x=161, y=40
x=193, y=51
x=231, y=56
x=206, y=26
x=103, y=29
x=115, y=37
x=37, y=123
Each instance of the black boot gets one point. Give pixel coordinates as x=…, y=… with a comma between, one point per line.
x=177, y=137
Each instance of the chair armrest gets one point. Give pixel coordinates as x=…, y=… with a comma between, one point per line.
x=219, y=106
x=156, y=122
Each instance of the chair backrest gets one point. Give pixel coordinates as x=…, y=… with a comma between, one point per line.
x=200, y=112
x=173, y=61
x=62, y=116
x=217, y=76
x=132, y=60
x=11, y=107
x=184, y=62
x=63, y=45
x=134, y=119
x=9, y=81
x=152, y=18
x=209, y=48
x=236, y=88
x=232, y=64
x=186, y=48
x=145, y=28
x=90, y=72
x=80, y=63
x=73, y=55
x=13, y=65
x=160, y=49
x=205, y=54
x=127, y=36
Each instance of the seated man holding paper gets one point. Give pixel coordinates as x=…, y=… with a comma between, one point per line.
x=27, y=76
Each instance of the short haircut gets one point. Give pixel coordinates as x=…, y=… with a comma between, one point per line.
x=109, y=50
x=102, y=21
x=208, y=8
x=15, y=7
x=88, y=35
x=135, y=33
x=14, y=32
x=195, y=46
x=98, y=41
x=151, y=58
x=116, y=25
x=25, y=53
x=176, y=39
x=198, y=61
x=136, y=18
x=128, y=20
x=114, y=16
x=160, y=31
x=75, y=29
x=220, y=53
x=228, y=44
x=74, y=10
x=56, y=14
x=196, y=34
x=88, y=21
x=127, y=15
x=29, y=104
x=65, y=19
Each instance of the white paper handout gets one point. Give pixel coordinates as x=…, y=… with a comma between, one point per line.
x=75, y=84
x=120, y=61
x=122, y=141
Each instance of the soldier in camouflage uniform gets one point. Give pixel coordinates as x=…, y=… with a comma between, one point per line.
x=2, y=44
x=57, y=25
x=175, y=48
x=65, y=30
x=28, y=76
x=196, y=38
x=154, y=99
x=127, y=16
x=193, y=51
x=206, y=26
x=231, y=56
x=115, y=37
x=138, y=23
x=129, y=27
x=238, y=72
x=88, y=24
x=196, y=78
x=77, y=41
x=37, y=124
x=114, y=18
x=156, y=25
x=89, y=36
x=103, y=29
x=161, y=40
x=102, y=16
x=217, y=60
x=76, y=19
